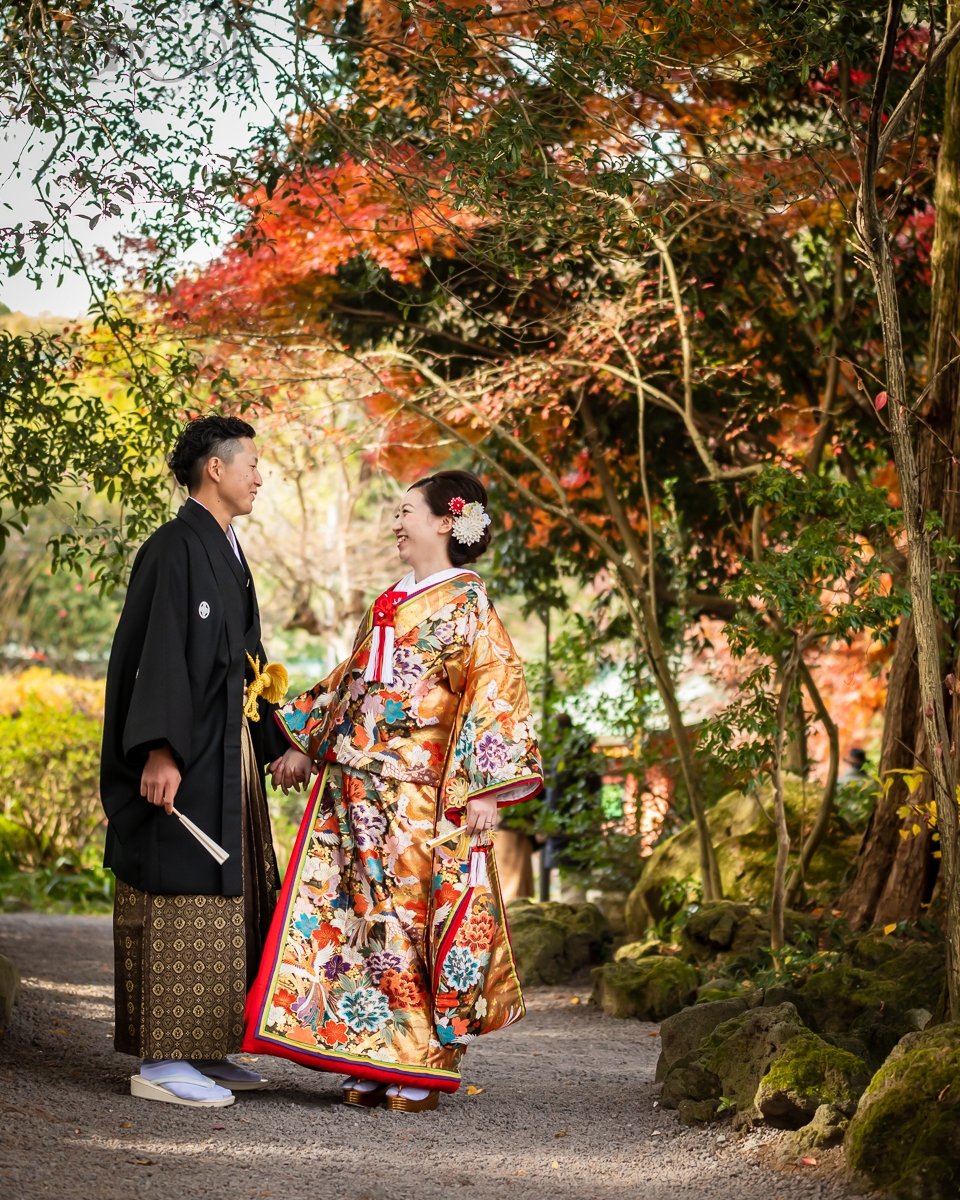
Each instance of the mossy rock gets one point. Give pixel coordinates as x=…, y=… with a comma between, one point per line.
x=588, y=932
x=551, y=942
x=742, y=1050
x=905, y=1134
x=731, y=937
x=690, y=1083
x=875, y=1007
x=807, y=1074
x=684, y=1031
x=745, y=844
x=713, y=927
x=647, y=990
x=736, y=1055
x=634, y=951
x=826, y=1130
x=540, y=948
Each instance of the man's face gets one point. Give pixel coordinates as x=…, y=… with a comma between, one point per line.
x=238, y=479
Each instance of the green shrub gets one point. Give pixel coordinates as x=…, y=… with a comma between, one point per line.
x=50, y=814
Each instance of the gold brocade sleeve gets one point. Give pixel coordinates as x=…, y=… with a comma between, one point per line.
x=304, y=720
x=494, y=749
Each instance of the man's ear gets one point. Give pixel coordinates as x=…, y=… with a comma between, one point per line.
x=213, y=468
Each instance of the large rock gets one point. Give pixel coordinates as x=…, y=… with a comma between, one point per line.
x=9, y=987
x=737, y=1055
x=648, y=989
x=744, y=840
x=733, y=936
x=807, y=1074
x=905, y=1134
x=685, y=1030
x=551, y=942
x=826, y=1130
x=870, y=1008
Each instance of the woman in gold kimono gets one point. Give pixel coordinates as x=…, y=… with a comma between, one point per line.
x=389, y=950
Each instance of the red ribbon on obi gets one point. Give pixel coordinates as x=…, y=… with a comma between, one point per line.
x=380, y=664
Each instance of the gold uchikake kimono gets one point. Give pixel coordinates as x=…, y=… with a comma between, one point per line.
x=386, y=957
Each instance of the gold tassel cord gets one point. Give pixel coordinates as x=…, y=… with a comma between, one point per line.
x=464, y=842
x=270, y=683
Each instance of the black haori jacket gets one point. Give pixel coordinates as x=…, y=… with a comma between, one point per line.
x=176, y=676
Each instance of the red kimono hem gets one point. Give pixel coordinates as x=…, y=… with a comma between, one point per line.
x=347, y=1065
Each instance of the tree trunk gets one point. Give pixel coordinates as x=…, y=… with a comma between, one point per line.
x=875, y=242
x=869, y=892
x=895, y=876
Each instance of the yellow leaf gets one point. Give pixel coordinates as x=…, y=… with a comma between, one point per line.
x=889, y=928
x=913, y=780
x=915, y=829
x=904, y=810
x=903, y=833
x=473, y=1090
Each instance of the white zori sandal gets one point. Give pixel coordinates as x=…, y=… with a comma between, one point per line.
x=196, y=1090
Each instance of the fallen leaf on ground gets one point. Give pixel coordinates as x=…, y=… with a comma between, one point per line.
x=809, y=1162
x=473, y=1090
x=555, y=1164
x=126, y=1124
x=562, y=1133
x=574, y=999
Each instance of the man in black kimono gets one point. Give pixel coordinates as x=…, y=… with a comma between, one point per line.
x=188, y=931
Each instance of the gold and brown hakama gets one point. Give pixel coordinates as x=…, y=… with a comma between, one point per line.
x=184, y=963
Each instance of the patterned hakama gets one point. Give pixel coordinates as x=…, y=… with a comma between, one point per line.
x=183, y=963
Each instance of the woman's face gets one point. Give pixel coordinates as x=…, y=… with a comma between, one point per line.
x=422, y=537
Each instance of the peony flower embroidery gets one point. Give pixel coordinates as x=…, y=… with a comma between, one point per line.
x=461, y=968
x=492, y=753
x=365, y=1010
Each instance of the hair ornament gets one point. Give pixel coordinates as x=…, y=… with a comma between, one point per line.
x=470, y=520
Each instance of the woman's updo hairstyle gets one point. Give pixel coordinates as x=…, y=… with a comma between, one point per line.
x=439, y=490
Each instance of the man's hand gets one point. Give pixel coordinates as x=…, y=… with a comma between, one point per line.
x=160, y=779
x=482, y=815
x=291, y=771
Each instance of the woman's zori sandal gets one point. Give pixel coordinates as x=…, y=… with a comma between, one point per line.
x=363, y=1093
x=366, y=1093
x=412, y=1099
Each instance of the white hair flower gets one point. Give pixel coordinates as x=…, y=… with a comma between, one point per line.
x=470, y=520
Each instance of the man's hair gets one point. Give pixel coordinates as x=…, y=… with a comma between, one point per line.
x=201, y=440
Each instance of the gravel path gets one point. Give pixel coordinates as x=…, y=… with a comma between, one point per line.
x=564, y=1108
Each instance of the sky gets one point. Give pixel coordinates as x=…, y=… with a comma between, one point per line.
x=23, y=150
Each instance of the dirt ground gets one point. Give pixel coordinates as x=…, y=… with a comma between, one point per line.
x=561, y=1105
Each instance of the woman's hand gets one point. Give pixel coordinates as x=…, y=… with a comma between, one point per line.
x=481, y=815
x=291, y=770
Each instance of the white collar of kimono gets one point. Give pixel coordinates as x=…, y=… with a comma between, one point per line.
x=409, y=584
x=231, y=536
x=380, y=662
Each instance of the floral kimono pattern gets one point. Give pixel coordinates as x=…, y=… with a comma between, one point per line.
x=386, y=958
